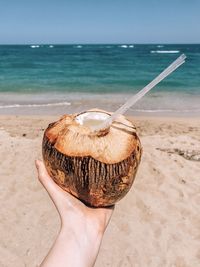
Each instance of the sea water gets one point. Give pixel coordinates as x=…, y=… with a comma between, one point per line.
x=51, y=77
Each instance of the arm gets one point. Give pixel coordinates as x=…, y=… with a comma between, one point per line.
x=82, y=228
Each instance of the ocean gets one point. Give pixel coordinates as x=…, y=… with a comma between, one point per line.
x=55, y=79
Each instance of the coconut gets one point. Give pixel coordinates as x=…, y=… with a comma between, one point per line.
x=98, y=167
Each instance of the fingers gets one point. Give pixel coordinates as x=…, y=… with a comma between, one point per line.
x=58, y=195
x=102, y=217
x=108, y=211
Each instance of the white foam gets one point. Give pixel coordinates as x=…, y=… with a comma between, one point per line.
x=79, y=46
x=160, y=46
x=165, y=51
x=124, y=46
x=166, y=110
x=35, y=105
x=34, y=46
x=131, y=46
x=51, y=46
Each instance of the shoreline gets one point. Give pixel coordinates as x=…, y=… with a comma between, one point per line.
x=155, y=104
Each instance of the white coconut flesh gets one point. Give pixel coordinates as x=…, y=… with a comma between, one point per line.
x=91, y=119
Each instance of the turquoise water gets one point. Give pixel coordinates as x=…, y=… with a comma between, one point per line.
x=32, y=74
x=95, y=68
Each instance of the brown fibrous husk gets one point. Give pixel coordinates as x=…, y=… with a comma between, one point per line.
x=97, y=167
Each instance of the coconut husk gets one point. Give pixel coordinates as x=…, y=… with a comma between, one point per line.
x=96, y=167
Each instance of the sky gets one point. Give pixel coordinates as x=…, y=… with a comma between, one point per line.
x=99, y=21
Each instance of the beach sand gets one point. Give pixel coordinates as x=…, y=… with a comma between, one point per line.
x=156, y=224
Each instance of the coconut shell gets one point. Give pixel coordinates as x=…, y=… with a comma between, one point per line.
x=96, y=167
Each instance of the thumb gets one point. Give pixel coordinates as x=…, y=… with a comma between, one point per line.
x=45, y=179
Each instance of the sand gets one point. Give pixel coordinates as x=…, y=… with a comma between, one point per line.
x=156, y=224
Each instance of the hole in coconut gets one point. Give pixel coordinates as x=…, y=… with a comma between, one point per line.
x=91, y=119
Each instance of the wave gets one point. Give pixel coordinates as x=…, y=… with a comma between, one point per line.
x=35, y=105
x=34, y=46
x=165, y=51
x=166, y=110
x=124, y=46
x=160, y=46
x=79, y=46
x=51, y=46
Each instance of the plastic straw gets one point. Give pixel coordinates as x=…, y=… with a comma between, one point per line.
x=177, y=63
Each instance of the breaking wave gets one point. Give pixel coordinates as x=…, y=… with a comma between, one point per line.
x=34, y=46
x=166, y=110
x=35, y=105
x=165, y=51
x=124, y=46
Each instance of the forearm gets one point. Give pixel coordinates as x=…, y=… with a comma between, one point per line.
x=70, y=250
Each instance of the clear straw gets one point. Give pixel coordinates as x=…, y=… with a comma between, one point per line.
x=177, y=63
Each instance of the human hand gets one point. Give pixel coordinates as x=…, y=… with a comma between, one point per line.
x=82, y=226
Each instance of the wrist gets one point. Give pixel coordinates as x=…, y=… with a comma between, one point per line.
x=93, y=235
x=85, y=243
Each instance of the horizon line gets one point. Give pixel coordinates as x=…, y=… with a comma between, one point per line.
x=93, y=43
